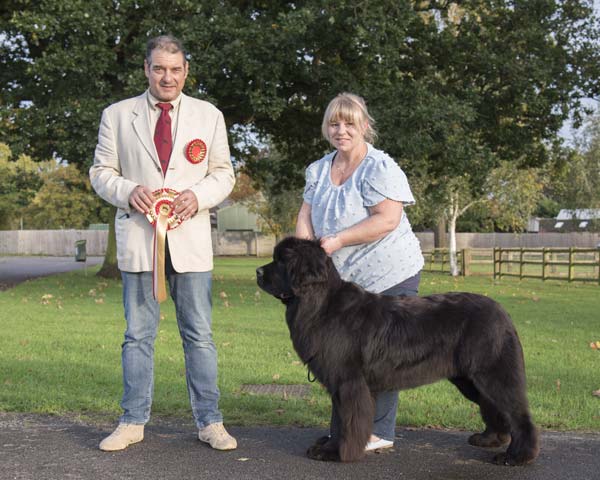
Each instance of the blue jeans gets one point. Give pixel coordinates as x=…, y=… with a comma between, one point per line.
x=386, y=403
x=191, y=293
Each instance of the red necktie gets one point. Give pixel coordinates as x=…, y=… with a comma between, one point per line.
x=162, y=136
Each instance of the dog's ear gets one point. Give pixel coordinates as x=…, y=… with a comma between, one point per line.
x=307, y=266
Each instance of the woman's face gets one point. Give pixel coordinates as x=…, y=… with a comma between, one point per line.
x=345, y=135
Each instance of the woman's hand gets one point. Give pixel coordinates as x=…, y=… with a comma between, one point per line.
x=331, y=244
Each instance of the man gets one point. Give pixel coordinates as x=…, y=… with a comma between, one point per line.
x=165, y=139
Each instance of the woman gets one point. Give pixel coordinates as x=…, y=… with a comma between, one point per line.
x=353, y=202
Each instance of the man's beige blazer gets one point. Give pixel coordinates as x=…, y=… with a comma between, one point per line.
x=126, y=157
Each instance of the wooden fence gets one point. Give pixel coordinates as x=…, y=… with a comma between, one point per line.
x=569, y=264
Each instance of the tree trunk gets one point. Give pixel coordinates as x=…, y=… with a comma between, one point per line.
x=452, y=217
x=440, y=237
x=452, y=246
x=109, y=268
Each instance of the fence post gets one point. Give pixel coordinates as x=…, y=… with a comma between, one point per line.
x=598, y=252
x=521, y=263
x=466, y=262
x=497, y=258
x=571, y=266
x=544, y=264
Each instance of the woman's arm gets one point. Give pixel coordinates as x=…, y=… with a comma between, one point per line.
x=304, y=228
x=384, y=218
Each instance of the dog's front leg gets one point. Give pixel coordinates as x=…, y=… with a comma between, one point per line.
x=327, y=448
x=356, y=411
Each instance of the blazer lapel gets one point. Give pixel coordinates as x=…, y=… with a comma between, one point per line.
x=142, y=128
x=184, y=122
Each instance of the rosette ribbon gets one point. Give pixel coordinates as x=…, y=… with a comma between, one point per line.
x=163, y=218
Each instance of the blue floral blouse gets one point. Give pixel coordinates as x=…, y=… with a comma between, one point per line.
x=378, y=265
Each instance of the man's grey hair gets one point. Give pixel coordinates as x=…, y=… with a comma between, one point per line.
x=168, y=43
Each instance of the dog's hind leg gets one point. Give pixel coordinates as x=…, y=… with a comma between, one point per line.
x=356, y=410
x=508, y=403
x=497, y=429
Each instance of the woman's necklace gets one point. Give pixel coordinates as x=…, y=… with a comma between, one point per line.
x=340, y=169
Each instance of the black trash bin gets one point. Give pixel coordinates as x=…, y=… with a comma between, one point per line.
x=80, y=255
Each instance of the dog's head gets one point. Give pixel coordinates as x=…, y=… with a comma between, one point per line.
x=297, y=267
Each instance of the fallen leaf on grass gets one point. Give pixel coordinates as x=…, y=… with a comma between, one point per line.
x=558, y=385
x=46, y=298
x=276, y=376
x=223, y=295
x=596, y=393
x=595, y=345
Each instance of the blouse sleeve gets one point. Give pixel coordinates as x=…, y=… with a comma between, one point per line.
x=385, y=179
x=311, y=183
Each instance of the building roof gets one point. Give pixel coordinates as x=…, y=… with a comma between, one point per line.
x=579, y=214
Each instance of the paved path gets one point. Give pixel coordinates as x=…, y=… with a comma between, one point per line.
x=43, y=447
x=18, y=269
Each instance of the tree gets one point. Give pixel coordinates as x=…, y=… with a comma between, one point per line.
x=19, y=181
x=277, y=210
x=575, y=171
x=64, y=200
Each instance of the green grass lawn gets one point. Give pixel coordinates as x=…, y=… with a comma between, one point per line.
x=61, y=336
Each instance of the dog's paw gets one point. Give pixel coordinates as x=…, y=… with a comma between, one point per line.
x=505, y=459
x=489, y=440
x=322, y=453
x=512, y=460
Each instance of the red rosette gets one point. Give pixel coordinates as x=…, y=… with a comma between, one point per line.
x=195, y=151
x=163, y=205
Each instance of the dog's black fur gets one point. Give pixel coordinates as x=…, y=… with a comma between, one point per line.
x=358, y=344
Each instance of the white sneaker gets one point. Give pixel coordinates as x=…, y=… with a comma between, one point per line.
x=123, y=436
x=378, y=445
x=218, y=438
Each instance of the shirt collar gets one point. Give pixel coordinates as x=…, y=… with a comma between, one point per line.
x=152, y=101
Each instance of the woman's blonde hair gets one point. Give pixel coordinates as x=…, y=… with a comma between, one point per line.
x=349, y=108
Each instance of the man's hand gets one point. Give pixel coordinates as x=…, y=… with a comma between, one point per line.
x=141, y=199
x=186, y=204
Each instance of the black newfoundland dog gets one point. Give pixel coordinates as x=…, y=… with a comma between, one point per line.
x=358, y=344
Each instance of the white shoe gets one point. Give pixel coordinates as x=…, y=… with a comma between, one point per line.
x=378, y=445
x=123, y=436
x=218, y=438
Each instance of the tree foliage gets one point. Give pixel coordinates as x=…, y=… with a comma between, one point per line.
x=45, y=195
x=575, y=171
x=19, y=182
x=456, y=87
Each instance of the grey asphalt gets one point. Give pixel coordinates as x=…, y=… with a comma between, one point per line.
x=44, y=447
x=17, y=269
x=47, y=447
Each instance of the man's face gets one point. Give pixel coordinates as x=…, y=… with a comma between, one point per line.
x=166, y=74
